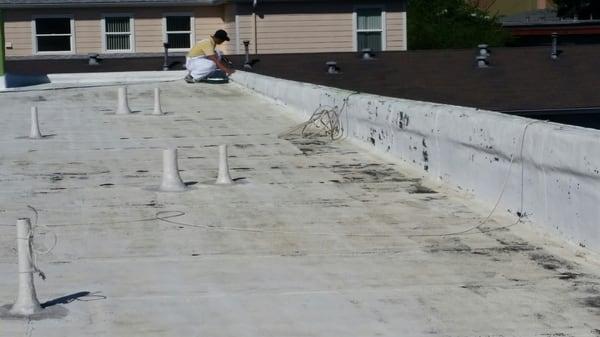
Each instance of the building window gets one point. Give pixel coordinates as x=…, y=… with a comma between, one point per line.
x=53, y=35
x=369, y=29
x=179, y=31
x=118, y=33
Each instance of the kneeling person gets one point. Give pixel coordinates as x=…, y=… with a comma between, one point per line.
x=203, y=61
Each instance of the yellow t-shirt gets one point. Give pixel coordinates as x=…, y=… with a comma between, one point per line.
x=205, y=47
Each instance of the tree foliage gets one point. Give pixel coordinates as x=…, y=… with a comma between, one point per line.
x=582, y=9
x=440, y=24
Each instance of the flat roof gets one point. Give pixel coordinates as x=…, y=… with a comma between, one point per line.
x=319, y=238
x=520, y=78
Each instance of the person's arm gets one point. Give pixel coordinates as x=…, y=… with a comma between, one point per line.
x=220, y=64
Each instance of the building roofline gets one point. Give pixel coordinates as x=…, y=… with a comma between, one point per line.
x=103, y=3
x=561, y=23
x=126, y=3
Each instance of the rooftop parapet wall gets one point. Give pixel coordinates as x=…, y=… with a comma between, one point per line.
x=554, y=178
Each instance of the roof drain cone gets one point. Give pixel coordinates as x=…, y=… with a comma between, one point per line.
x=223, y=177
x=27, y=303
x=157, y=106
x=123, y=106
x=171, y=181
x=35, y=125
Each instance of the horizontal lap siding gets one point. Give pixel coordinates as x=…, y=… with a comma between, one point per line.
x=282, y=28
x=148, y=27
x=315, y=27
x=293, y=33
x=88, y=32
x=18, y=33
x=395, y=30
x=229, y=12
x=245, y=28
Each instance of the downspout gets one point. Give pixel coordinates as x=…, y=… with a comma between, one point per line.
x=2, y=52
x=254, y=26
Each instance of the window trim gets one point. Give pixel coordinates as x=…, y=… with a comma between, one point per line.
x=192, y=29
x=383, y=29
x=131, y=33
x=34, y=35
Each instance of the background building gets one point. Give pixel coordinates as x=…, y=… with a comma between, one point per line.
x=509, y=7
x=79, y=27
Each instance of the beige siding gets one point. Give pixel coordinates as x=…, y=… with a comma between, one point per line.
x=148, y=27
x=281, y=28
x=229, y=13
x=292, y=33
x=18, y=34
x=88, y=32
x=315, y=27
x=395, y=29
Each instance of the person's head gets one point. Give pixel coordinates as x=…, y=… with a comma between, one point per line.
x=220, y=36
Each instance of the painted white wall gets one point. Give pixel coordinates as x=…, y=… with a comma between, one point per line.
x=471, y=150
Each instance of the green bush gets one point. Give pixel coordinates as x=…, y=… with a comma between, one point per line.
x=441, y=24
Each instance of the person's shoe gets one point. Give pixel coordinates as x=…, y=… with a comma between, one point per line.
x=189, y=79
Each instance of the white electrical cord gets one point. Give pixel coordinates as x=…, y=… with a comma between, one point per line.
x=324, y=117
x=520, y=214
x=35, y=252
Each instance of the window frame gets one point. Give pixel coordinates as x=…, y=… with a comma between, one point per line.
x=383, y=29
x=34, y=35
x=131, y=33
x=192, y=30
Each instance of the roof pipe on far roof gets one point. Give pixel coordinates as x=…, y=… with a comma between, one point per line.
x=554, y=54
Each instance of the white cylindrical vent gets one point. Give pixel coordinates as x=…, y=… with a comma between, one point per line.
x=157, y=106
x=27, y=302
x=171, y=181
x=484, y=50
x=554, y=54
x=332, y=67
x=122, y=104
x=35, y=125
x=223, y=178
x=482, y=62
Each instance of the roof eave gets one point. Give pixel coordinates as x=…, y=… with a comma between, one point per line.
x=552, y=24
x=113, y=4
